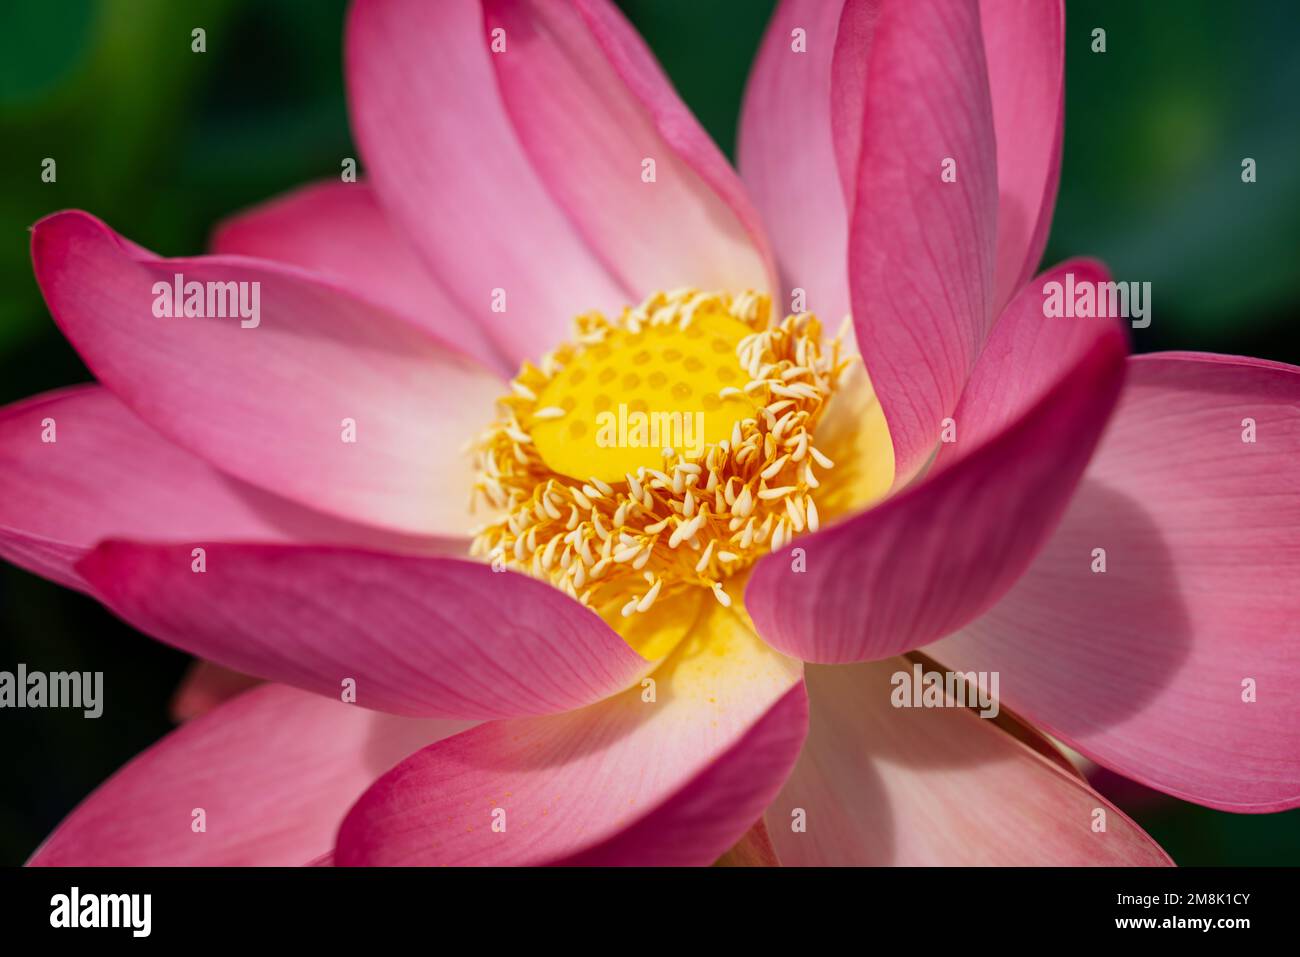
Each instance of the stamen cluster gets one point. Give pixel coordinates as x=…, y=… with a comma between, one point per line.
x=685, y=523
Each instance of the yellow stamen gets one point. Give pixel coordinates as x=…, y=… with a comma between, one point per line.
x=668, y=449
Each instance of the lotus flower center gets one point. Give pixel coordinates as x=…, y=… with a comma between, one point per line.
x=668, y=449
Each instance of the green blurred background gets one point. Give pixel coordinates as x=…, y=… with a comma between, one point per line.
x=162, y=143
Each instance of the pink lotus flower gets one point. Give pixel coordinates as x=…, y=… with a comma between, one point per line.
x=528, y=163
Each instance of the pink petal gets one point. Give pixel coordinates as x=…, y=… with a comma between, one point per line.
x=447, y=164
x=700, y=820
x=268, y=404
x=107, y=474
x=274, y=771
x=880, y=785
x=1027, y=357
x=933, y=557
x=418, y=636
x=204, y=687
x=339, y=230
x=921, y=250
x=1142, y=668
x=800, y=136
x=674, y=781
x=1024, y=44
x=591, y=105
x=849, y=88
x=787, y=156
